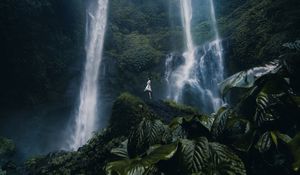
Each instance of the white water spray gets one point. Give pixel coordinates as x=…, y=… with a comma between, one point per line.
x=182, y=74
x=86, y=116
x=203, y=67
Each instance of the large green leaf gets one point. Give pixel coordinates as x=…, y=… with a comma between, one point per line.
x=191, y=126
x=203, y=157
x=265, y=142
x=295, y=149
x=285, y=138
x=220, y=121
x=178, y=133
x=246, y=79
x=240, y=133
x=193, y=155
x=266, y=108
x=148, y=132
x=270, y=138
x=121, y=151
x=296, y=100
x=293, y=45
x=196, y=126
x=142, y=166
x=223, y=161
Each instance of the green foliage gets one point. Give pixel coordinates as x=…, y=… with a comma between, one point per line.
x=266, y=124
x=293, y=45
x=89, y=159
x=138, y=38
x=295, y=149
x=138, y=55
x=246, y=79
x=264, y=143
x=7, y=147
x=121, y=151
x=190, y=127
x=181, y=107
x=264, y=112
x=147, y=133
x=127, y=112
x=192, y=156
x=143, y=165
x=219, y=123
x=240, y=133
x=256, y=30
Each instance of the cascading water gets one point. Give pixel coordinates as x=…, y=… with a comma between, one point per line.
x=196, y=80
x=180, y=76
x=86, y=116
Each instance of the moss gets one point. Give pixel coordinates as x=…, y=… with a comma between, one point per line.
x=89, y=159
x=127, y=112
x=180, y=107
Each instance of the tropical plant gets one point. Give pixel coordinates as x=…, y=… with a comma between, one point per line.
x=295, y=149
x=266, y=115
x=145, y=150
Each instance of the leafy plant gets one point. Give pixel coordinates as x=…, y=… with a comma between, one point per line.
x=7, y=147
x=295, y=149
x=293, y=45
x=220, y=120
x=203, y=157
x=246, y=79
x=275, y=112
x=193, y=155
x=144, y=165
x=148, y=132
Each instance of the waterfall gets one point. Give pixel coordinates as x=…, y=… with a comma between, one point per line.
x=182, y=74
x=87, y=114
x=196, y=81
x=217, y=42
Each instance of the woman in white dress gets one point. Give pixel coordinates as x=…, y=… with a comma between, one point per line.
x=148, y=88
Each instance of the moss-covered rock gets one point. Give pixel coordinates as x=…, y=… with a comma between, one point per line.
x=168, y=110
x=88, y=160
x=127, y=112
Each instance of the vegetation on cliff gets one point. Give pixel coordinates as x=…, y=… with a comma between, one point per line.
x=258, y=135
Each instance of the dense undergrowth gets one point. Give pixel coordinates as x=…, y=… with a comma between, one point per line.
x=257, y=135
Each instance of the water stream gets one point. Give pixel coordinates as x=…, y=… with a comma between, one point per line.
x=87, y=113
x=195, y=82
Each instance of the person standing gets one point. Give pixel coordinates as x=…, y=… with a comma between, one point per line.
x=148, y=88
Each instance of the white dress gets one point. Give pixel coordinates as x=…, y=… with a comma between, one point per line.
x=148, y=87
